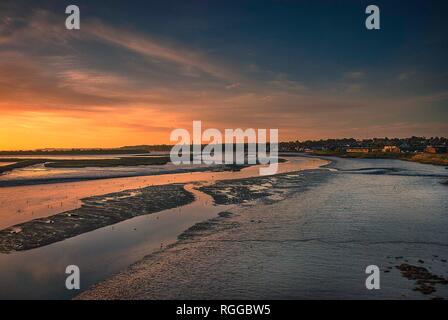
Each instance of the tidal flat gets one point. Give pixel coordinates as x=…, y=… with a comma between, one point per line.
x=102, y=252
x=306, y=235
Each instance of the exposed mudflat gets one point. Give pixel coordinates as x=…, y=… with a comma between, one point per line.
x=269, y=189
x=95, y=212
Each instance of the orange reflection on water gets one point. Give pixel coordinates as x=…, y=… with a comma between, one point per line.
x=5, y=163
x=24, y=203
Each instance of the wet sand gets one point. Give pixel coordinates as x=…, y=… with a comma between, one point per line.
x=96, y=212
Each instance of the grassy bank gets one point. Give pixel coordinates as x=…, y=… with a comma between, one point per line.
x=427, y=158
x=20, y=164
x=127, y=161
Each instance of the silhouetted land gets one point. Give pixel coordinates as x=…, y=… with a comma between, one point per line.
x=83, y=163
x=126, y=161
x=20, y=163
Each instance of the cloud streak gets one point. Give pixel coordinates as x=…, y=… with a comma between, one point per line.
x=151, y=48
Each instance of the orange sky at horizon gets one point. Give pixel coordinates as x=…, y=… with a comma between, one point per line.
x=39, y=130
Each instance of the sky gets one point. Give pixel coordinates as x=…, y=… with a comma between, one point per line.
x=136, y=70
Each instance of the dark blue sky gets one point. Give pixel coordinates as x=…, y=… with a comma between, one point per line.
x=312, y=41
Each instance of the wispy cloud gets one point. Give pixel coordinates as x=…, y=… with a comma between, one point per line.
x=353, y=75
x=44, y=26
x=151, y=48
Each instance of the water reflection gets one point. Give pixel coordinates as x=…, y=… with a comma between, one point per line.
x=24, y=203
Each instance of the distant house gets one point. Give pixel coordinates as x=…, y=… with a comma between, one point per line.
x=436, y=149
x=357, y=150
x=405, y=147
x=391, y=149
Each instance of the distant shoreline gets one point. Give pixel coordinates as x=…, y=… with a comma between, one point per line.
x=74, y=152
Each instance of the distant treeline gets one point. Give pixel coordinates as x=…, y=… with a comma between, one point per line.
x=410, y=144
x=140, y=149
x=75, y=152
x=168, y=147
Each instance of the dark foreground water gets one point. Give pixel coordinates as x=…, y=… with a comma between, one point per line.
x=314, y=244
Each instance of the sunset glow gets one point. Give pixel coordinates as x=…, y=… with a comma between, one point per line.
x=118, y=83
